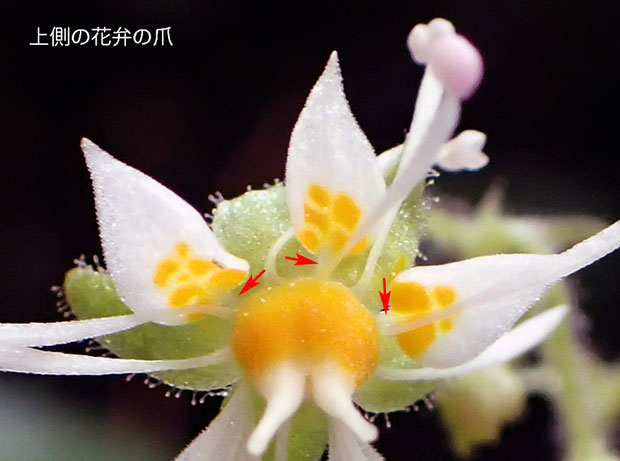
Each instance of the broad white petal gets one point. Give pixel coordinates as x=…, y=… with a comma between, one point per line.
x=345, y=446
x=47, y=334
x=329, y=150
x=480, y=298
x=516, y=342
x=142, y=224
x=26, y=360
x=224, y=439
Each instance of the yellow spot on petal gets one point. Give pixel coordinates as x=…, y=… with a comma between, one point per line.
x=185, y=295
x=415, y=343
x=319, y=195
x=409, y=297
x=359, y=246
x=337, y=238
x=200, y=266
x=309, y=238
x=227, y=279
x=190, y=281
x=329, y=221
x=345, y=211
x=444, y=295
x=308, y=322
x=182, y=249
x=445, y=325
x=316, y=216
x=164, y=272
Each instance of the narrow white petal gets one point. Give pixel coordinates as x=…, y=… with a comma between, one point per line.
x=345, y=446
x=332, y=391
x=490, y=294
x=26, y=360
x=141, y=222
x=329, y=149
x=48, y=334
x=224, y=439
x=516, y=342
x=463, y=152
x=590, y=250
x=284, y=390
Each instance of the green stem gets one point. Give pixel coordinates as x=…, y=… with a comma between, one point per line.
x=573, y=395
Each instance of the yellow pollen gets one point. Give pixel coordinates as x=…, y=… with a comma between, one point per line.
x=413, y=300
x=307, y=322
x=329, y=221
x=193, y=281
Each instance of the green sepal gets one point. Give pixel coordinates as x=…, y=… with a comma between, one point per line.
x=92, y=294
x=379, y=395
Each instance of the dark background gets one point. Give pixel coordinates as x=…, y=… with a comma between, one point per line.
x=215, y=111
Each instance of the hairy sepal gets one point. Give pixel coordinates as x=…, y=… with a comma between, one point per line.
x=92, y=294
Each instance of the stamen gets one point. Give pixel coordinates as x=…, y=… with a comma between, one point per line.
x=332, y=391
x=284, y=390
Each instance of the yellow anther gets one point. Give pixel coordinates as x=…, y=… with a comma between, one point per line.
x=182, y=249
x=409, y=297
x=345, y=211
x=319, y=195
x=308, y=322
x=164, y=272
x=444, y=295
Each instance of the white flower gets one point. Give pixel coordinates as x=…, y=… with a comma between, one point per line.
x=313, y=337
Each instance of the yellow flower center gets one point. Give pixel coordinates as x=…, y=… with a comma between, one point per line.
x=306, y=322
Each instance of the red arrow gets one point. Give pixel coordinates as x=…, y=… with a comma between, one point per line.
x=251, y=283
x=385, y=297
x=301, y=260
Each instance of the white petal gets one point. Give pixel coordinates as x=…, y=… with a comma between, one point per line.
x=26, y=360
x=284, y=390
x=491, y=293
x=516, y=342
x=463, y=152
x=141, y=222
x=329, y=149
x=224, y=439
x=345, y=446
x=47, y=334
